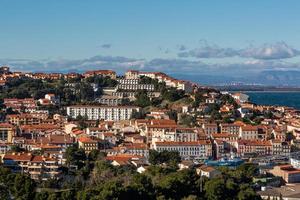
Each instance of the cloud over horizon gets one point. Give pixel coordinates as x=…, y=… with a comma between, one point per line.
x=279, y=50
x=170, y=65
x=256, y=60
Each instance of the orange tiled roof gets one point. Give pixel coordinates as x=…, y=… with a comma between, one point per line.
x=87, y=140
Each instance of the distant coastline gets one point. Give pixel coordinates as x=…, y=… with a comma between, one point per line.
x=257, y=89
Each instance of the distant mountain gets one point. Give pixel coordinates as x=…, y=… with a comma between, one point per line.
x=270, y=78
x=291, y=78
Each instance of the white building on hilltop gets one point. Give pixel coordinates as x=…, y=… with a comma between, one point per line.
x=108, y=113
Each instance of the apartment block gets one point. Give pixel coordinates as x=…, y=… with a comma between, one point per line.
x=110, y=113
x=39, y=167
x=199, y=150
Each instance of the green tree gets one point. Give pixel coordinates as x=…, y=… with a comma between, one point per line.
x=215, y=189
x=248, y=194
x=173, y=94
x=172, y=115
x=43, y=195
x=142, y=99
x=171, y=158
x=138, y=114
x=68, y=195
x=23, y=187
x=187, y=120
x=4, y=192
x=75, y=156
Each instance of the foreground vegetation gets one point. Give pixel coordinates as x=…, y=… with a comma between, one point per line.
x=97, y=179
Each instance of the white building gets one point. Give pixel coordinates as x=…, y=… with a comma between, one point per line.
x=199, y=150
x=109, y=113
x=242, y=98
x=109, y=100
x=175, y=134
x=161, y=77
x=134, y=87
x=128, y=81
x=248, y=132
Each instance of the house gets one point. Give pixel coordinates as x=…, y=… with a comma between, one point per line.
x=287, y=172
x=219, y=150
x=230, y=128
x=207, y=171
x=186, y=164
x=109, y=137
x=240, y=97
x=249, y=147
x=4, y=148
x=27, y=104
x=7, y=131
x=226, y=108
x=142, y=169
x=88, y=144
x=134, y=138
x=123, y=159
x=132, y=149
x=104, y=73
x=248, y=132
x=286, y=192
x=210, y=128
x=212, y=100
x=24, y=119
x=38, y=167
x=280, y=148
x=49, y=99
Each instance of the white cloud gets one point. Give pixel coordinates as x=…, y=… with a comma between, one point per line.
x=279, y=50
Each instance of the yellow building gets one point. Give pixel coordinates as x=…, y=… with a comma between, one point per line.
x=87, y=144
x=7, y=131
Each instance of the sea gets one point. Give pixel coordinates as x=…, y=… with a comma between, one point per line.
x=281, y=98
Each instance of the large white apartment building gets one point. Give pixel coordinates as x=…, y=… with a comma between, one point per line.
x=128, y=81
x=109, y=113
x=134, y=87
x=161, y=77
x=199, y=150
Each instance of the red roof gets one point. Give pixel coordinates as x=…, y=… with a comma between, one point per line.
x=86, y=140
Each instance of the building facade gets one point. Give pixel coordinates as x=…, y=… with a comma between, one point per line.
x=110, y=113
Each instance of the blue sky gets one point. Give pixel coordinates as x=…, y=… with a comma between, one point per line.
x=222, y=31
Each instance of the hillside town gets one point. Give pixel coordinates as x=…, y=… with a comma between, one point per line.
x=54, y=124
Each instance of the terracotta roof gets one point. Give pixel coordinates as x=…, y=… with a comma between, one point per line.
x=254, y=143
x=40, y=126
x=206, y=168
x=18, y=157
x=163, y=126
x=163, y=122
x=37, y=159
x=86, y=140
x=6, y=125
x=123, y=157
x=249, y=128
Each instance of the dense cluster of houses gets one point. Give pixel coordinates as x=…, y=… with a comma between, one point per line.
x=110, y=128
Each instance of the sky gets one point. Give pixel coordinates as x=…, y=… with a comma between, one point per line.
x=179, y=37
